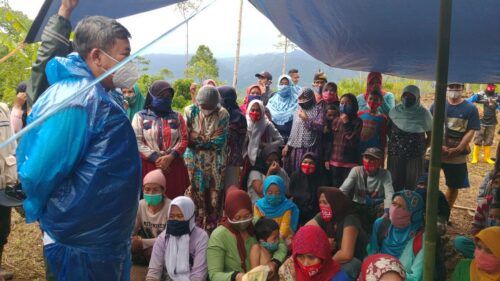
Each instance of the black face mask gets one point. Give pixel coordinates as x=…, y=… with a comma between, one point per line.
x=177, y=228
x=308, y=104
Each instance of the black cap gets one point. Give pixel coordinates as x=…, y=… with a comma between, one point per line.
x=264, y=74
x=374, y=152
x=12, y=196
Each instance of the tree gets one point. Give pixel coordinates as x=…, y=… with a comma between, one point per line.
x=238, y=43
x=186, y=8
x=17, y=68
x=284, y=44
x=202, y=65
x=142, y=63
x=182, y=97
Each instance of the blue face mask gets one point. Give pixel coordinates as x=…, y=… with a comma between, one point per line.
x=271, y=247
x=251, y=98
x=153, y=199
x=345, y=108
x=161, y=104
x=274, y=200
x=284, y=90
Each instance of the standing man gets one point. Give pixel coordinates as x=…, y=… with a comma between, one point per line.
x=294, y=74
x=80, y=169
x=489, y=100
x=461, y=122
x=264, y=80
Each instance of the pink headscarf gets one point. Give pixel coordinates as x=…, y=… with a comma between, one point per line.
x=155, y=176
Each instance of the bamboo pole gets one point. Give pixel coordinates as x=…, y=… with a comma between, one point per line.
x=437, y=138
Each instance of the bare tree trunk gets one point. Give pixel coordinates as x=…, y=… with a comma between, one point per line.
x=283, y=71
x=187, y=44
x=238, y=44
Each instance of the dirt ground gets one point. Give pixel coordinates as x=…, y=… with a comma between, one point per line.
x=23, y=253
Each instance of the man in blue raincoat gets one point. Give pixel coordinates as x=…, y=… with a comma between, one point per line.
x=81, y=169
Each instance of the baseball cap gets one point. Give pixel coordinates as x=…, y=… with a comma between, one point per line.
x=374, y=152
x=264, y=74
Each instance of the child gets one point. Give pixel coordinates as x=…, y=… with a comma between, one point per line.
x=374, y=132
x=267, y=234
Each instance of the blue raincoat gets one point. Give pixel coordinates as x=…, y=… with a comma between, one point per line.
x=81, y=173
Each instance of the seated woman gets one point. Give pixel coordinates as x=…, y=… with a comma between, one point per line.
x=369, y=187
x=311, y=259
x=486, y=263
x=347, y=238
x=304, y=186
x=267, y=164
x=228, y=252
x=401, y=236
x=260, y=134
x=151, y=218
x=382, y=267
x=182, y=248
x=276, y=206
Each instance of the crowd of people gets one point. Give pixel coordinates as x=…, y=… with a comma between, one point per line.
x=299, y=183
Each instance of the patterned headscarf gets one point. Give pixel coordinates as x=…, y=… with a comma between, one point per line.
x=284, y=103
x=300, y=135
x=369, y=88
x=375, y=266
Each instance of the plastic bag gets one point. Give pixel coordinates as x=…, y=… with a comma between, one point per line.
x=259, y=273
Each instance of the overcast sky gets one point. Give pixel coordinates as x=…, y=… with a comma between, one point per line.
x=215, y=27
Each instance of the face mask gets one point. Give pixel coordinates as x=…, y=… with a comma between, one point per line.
x=374, y=105
x=153, y=199
x=308, y=104
x=254, y=116
x=241, y=225
x=307, y=168
x=345, y=108
x=284, y=90
x=490, y=89
x=329, y=97
x=271, y=247
x=310, y=270
x=493, y=222
x=283, y=87
x=400, y=218
x=177, y=228
x=273, y=200
x=486, y=262
x=207, y=112
x=251, y=98
x=161, y=104
x=126, y=76
x=408, y=102
x=326, y=213
x=130, y=99
x=371, y=166
x=454, y=94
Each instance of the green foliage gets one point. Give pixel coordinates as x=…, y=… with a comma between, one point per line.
x=142, y=63
x=202, y=65
x=13, y=29
x=182, y=97
x=146, y=80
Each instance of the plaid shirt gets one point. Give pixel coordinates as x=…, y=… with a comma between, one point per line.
x=346, y=139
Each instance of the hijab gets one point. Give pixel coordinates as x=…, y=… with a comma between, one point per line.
x=244, y=106
x=311, y=239
x=274, y=211
x=397, y=238
x=375, y=266
x=283, y=103
x=255, y=130
x=301, y=135
x=178, y=268
x=228, y=101
x=340, y=204
x=414, y=119
x=136, y=103
x=304, y=188
x=236, y=200
x=161, y=106
x=489, y=236
x=208, y=95
x=369, y=88
x=354, y=103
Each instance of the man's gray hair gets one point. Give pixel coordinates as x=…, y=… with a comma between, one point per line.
x=97, y=32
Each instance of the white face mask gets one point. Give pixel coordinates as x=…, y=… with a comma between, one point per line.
x=453, y=94
x=207, y=112
x=126, y=76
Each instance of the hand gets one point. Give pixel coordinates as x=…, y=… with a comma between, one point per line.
x=344, y=118
x=273, y=270
x=284, y=152
x=136, y=244
x=262, y=145
x=327, y=166
x=163, y=162
x=273, y=169
x=194, y=135
x=454, y=151
x=239, y=276
x=303, y=115
x=192, y=91
x=125, y=105
x=20, y=100
x=444, y=151
x=67, y=7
